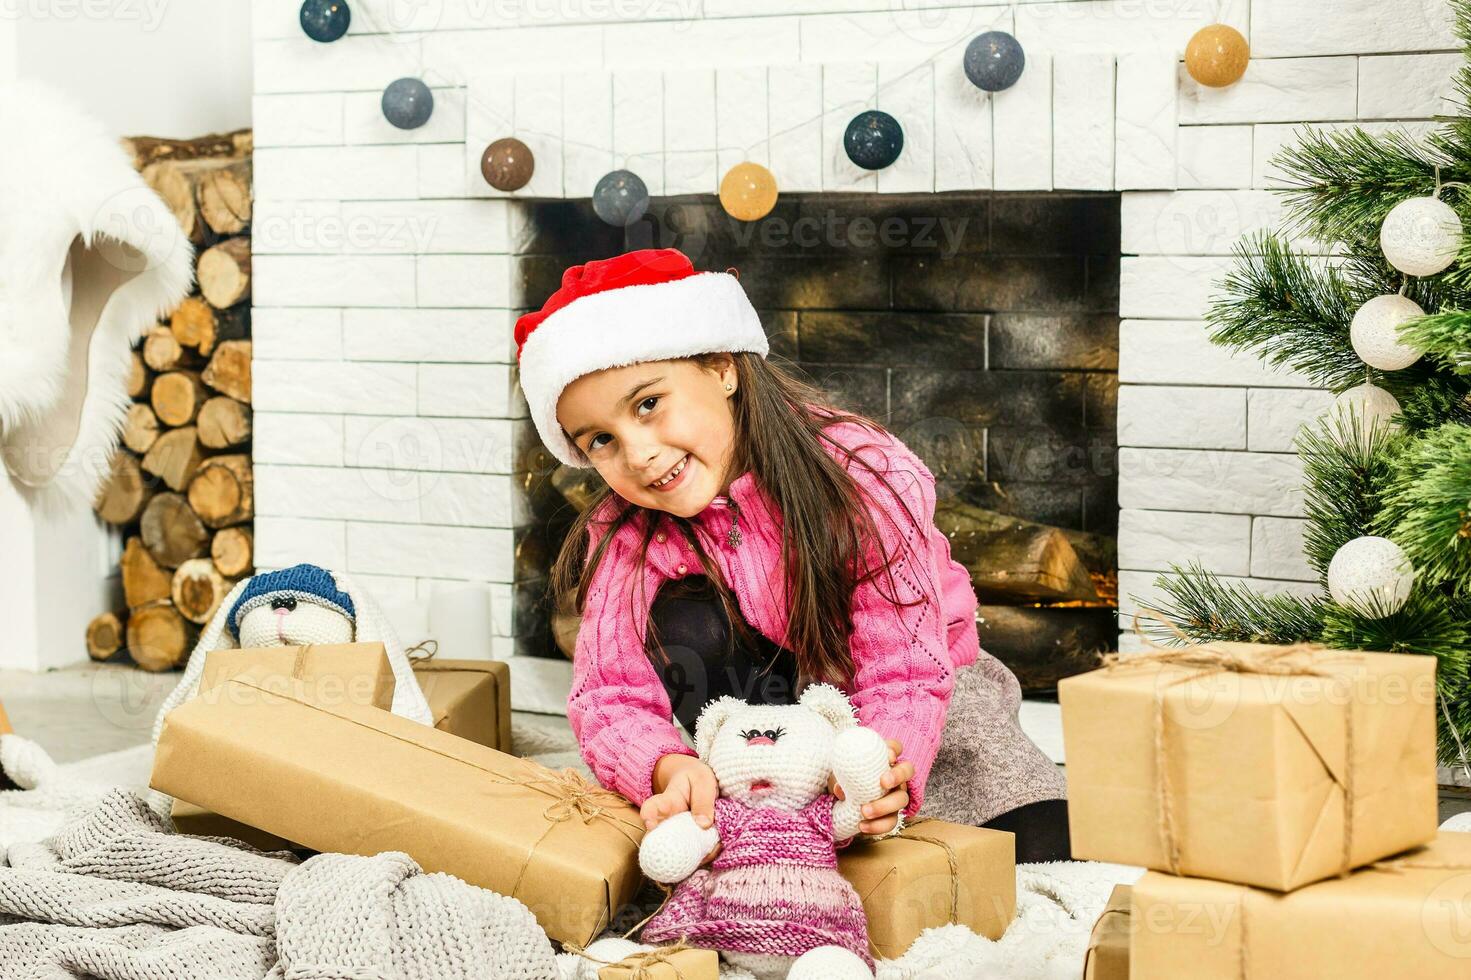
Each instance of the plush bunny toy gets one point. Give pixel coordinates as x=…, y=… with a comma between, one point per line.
x=772, y=901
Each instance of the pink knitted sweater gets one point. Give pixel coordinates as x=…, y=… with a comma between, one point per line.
x=904, y=656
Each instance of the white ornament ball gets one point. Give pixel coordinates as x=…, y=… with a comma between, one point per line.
x=1371, y=575
x=1374, y=336
x=1421, y=236
x=1371, y=405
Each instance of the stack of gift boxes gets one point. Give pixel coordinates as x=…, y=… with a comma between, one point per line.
x=293, y=747
x=1285, y=801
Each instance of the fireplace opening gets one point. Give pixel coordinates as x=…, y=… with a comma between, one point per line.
x=980, y=328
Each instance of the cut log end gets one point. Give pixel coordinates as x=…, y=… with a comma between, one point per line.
x=198, y=589
x=224, y=272
x=105, y=636
x=171, y=531
x=223, y=423
x=233, y=551
x=222, y=493
x=143, y=580
x=126, y=492
x=228, y=371
x=158, y=637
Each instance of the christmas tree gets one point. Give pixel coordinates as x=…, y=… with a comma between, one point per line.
x=1379, y=312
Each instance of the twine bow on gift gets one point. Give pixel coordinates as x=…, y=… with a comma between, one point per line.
x=575, y=796
x=643, y=963
x=1282, y=661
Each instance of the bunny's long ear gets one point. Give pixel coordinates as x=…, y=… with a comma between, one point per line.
x=371, y=626
x=214, y=637
x=831, y=703
x=716, y=714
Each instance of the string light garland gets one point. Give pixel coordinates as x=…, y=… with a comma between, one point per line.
x=429, y=73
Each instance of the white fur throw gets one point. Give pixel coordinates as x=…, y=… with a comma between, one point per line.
x=90, y=258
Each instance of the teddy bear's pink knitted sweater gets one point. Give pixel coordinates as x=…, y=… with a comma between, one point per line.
x=904, y=656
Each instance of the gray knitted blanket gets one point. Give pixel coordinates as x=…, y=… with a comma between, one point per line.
x=114, y=895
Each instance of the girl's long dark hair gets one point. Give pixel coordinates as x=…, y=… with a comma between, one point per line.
x=827, y=526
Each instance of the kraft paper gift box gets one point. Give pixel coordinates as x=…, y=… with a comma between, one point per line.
x=1213, y=767
x=469, y=698
x=1108, y=947
x=686, y=964
x=1409, y=916
x=906, y=885
x=361, y=780
x=356, y=672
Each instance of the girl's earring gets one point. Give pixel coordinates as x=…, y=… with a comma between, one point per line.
x=729, y=387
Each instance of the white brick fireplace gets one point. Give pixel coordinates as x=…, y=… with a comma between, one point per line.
x=385, y=409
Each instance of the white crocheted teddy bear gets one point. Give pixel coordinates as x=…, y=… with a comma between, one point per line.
x=772, y=901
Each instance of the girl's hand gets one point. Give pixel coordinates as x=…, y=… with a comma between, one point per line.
x=684, y=783
x=880, y=816
x=681, y=782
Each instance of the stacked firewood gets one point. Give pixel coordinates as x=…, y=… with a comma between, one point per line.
x=181, y=487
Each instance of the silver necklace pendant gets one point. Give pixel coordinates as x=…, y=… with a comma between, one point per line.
x=734, y=537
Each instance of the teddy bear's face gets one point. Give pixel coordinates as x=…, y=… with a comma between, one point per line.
x=773, y=755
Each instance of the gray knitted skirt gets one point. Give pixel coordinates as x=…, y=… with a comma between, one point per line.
x=986, y=764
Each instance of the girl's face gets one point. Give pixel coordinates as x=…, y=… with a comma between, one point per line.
x=661, y=433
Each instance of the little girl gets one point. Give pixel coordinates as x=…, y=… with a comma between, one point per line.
x=752, y=539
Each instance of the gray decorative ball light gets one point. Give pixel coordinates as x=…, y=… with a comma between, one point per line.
x=994, y=61
x=620, y=198
x=873, y=139
x=408, y=103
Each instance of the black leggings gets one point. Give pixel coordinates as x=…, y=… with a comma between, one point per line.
x=706, y=661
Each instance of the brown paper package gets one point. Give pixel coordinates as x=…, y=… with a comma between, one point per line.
x=470, y=698
x=1406, y=918
x=354, y=673
x=362, y=780
x=906, y=885
x=687, y=964
x=1108, y=947
x=1257, y=765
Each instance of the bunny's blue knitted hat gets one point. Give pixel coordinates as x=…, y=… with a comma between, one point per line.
x=305, y=583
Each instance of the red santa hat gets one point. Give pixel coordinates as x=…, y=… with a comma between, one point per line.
x=647, y=305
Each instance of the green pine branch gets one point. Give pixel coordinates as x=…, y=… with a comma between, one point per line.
x=1426, y=506
x=1341, y=183
x=1289, y=311
x=1346, y=468
x=1207, y=610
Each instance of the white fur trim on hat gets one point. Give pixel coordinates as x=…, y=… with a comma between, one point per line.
x=699, y=314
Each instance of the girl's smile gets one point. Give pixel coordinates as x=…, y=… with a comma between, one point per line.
x=673, y=479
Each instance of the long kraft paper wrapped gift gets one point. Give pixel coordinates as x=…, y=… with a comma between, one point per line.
x=362, y=780
x=1406, y=917
x=1269, y=779
x=356, y=672
x=906, y=884
x=471, y=698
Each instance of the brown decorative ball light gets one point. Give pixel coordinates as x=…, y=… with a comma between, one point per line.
x=1217, y=55
x=507, y=164
x=748, y=191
